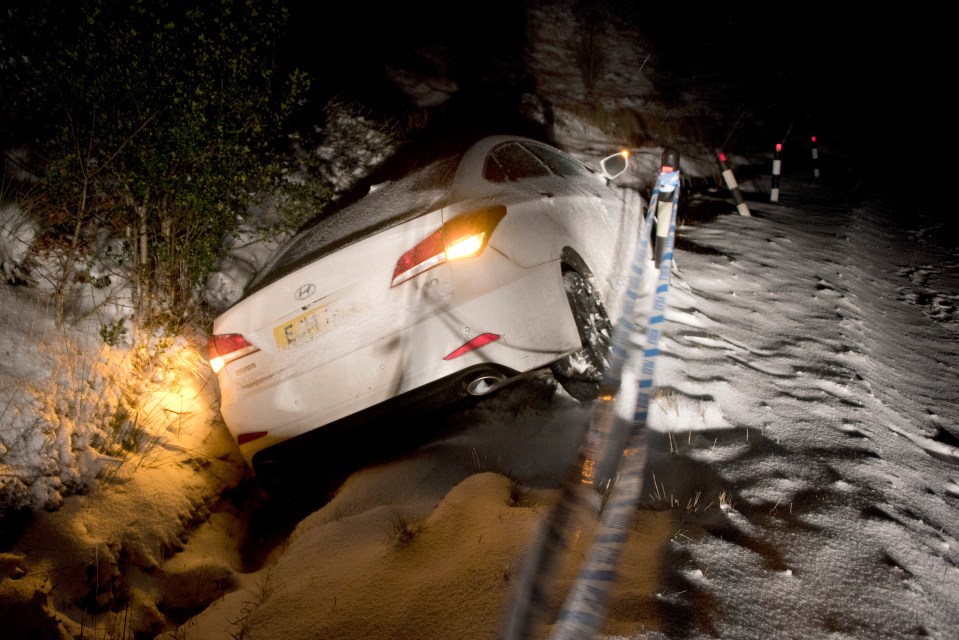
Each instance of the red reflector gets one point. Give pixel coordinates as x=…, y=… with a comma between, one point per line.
x=477, y=342
x=814, y=138
x=779, y=146
x=722, y=157
x=250, y=436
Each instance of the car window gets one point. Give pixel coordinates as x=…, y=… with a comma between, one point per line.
x=511, y=162
x=560, y=163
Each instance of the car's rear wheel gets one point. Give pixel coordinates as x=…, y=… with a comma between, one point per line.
x=581, y=372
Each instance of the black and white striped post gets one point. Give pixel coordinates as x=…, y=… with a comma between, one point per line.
x=664, y=205
x=777, y=169
x=815, y=158
x=732, y=185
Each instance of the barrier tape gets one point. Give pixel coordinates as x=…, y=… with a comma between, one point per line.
x=604, y=450
x=583, y=613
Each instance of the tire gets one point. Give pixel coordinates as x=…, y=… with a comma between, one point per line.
x=581, y=372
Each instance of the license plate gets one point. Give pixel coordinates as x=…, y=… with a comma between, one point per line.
x=311, y=324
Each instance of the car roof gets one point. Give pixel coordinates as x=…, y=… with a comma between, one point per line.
x=424, y=189
x=392, y=203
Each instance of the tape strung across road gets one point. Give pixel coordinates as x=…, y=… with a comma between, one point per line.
x=613, y=449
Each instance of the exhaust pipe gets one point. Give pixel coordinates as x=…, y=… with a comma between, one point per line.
x=485, y=383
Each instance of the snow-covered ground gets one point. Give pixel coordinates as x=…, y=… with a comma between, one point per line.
x=802, y=474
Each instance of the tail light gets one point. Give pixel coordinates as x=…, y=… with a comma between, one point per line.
x=227, y=347
x=464, y=236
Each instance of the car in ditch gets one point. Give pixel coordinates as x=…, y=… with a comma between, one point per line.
x=453, y=281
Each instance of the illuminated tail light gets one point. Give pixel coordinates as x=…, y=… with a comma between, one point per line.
x=227, y=347
x=464, y=236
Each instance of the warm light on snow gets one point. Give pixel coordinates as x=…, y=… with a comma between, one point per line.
x=802, y=450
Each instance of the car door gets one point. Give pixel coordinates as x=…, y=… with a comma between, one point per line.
x=599, y=221
x=532, y=194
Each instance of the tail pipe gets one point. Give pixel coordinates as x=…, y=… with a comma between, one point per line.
x=485, y=383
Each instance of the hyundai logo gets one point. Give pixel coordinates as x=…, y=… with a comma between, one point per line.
x=305, y=291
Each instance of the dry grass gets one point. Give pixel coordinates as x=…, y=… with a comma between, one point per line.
x=402, y=529
x=661, y=499
x=518, y=495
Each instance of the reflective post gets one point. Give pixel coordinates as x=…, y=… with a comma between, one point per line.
x=777, y=168
x=664, y=204
x=732, y=185
x=815, y=158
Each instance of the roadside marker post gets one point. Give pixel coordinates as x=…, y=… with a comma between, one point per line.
x=664, y=208
x=777, y=169
x=815, y=158
x=732, y=185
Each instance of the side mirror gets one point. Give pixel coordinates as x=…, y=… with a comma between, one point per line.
x=615, y=165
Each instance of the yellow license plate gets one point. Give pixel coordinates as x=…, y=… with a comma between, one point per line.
x=311, y=324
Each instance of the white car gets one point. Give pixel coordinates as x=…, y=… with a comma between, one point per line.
x=452, y=281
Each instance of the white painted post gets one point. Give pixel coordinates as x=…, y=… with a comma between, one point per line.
x=777, y=168
x=815, y=158
x=732, y=185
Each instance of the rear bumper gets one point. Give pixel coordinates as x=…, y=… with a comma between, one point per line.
x=378, y=421
x=531, y=315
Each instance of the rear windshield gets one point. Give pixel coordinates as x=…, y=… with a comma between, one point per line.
x=390, y=204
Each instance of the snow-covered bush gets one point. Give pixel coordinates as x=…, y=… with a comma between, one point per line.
x=93, y=410
x=17, y=233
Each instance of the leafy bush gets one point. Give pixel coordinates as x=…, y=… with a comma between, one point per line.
x=162, y=121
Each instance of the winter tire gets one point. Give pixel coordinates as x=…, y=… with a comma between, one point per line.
x=581, y=372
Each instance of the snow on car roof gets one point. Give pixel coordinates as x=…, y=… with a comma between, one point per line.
x=390, y=204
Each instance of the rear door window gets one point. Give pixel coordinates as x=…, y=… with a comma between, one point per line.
x=560, y=163
x=511, y=162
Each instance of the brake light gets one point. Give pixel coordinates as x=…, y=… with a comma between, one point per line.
x=227, y=347
x=464, y=236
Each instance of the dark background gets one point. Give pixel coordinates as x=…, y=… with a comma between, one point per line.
x=868, y=79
